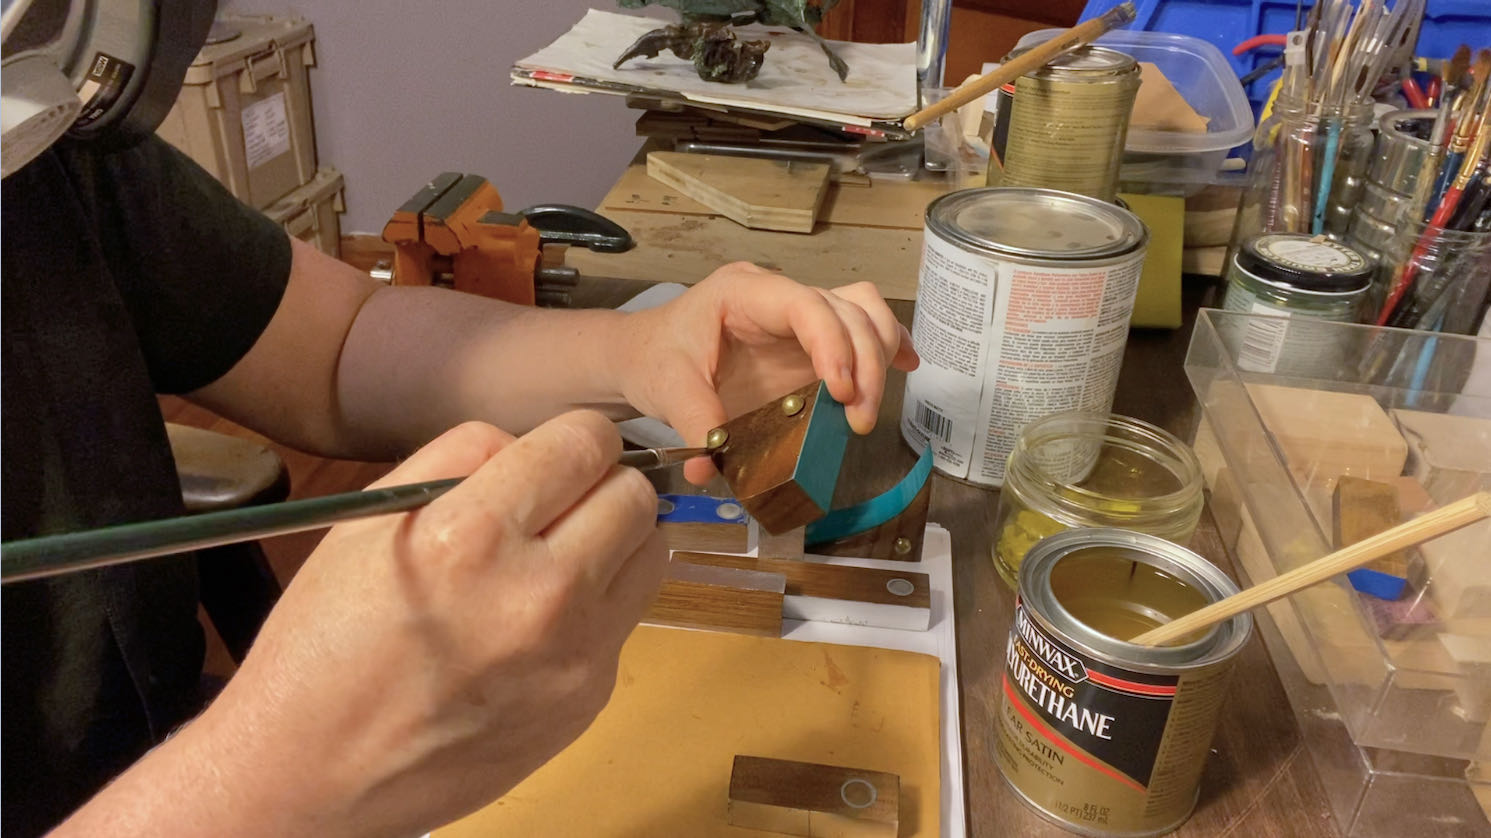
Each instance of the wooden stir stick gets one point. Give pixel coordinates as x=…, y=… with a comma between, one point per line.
x=1036, y=58
x=1452, y=517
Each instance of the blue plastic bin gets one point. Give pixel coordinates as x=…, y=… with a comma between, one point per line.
x=1226, y=23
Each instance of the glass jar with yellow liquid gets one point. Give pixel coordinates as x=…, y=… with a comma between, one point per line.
x=1078, y=469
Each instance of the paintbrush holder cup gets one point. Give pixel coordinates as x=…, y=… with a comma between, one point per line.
x=1307, y=171
x=1446, y=274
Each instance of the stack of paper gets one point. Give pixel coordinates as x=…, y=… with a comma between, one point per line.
x=795, y=80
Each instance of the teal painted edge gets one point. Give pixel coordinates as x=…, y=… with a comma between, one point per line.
x=875, y=511
x=822, y=449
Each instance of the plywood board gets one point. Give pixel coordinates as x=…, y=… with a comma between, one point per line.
x=686, y=248
x=754, y=192
x=899, y=204
x=657, y=760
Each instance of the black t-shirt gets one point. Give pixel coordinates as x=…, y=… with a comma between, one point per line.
x=124, y=274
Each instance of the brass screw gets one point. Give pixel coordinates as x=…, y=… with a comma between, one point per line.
x=902, y=546
x=792, y=405
x=716, y=438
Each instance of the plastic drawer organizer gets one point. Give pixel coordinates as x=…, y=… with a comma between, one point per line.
x=1392, y=696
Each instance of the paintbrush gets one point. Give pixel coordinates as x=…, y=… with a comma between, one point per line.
x=52, y=555
x=1038, y=57
x=1465, y=126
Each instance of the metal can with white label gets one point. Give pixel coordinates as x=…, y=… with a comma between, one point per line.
x=1022, y=310
x=1104, y=736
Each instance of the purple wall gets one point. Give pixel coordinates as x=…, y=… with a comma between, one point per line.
x=404, y=91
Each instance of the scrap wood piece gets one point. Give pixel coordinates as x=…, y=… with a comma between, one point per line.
x=839, y=593
x=763, y=194
x=810, y=799
x=720, y=598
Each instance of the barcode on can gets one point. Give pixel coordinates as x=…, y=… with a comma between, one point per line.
x=936, y=424
x=1263, y=344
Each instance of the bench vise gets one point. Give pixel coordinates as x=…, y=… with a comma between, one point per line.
x=453, y=232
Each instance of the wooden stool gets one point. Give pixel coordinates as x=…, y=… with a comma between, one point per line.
x=217, y=471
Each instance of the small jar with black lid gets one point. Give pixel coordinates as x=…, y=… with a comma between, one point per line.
x=1303, y=278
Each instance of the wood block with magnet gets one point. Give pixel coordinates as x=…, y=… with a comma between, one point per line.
x=1361, y=509
x=821, y=801
x=699, y=522
x=782, y=459
x=720, y=598
x=860, y=596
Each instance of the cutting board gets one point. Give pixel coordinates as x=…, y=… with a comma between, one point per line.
x=657, y=760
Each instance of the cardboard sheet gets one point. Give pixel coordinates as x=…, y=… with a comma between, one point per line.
x=795, y=79
x=657, y=760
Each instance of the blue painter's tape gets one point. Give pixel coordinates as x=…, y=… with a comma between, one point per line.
x=699, y=509
x=1376, y=583
x=875, y=511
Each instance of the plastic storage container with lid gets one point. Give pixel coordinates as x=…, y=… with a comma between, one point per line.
x=1203, y=78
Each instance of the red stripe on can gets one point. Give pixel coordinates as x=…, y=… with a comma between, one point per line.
x=1130, y=686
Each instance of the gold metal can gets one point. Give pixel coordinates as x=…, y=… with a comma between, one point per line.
x=1067, y=124
x=1100, y=735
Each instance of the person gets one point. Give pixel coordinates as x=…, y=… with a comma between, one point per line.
x=418, y=665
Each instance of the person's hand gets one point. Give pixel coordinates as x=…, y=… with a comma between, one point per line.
x=420, y=665
x=746, y=335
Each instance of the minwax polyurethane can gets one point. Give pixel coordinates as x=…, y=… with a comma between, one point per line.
x=1104, y=736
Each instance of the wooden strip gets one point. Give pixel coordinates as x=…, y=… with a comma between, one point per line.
x=724, y=599
x=839, y=593
x=803, y=798
x=1461, y=513
x=761, y=194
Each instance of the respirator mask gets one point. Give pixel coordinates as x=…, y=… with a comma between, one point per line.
x=104, y=71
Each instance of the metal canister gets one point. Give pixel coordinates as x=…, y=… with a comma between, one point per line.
x=1301, y=280
x=1401, y=158
x=1022, y=310
x=1103, y=736
x=1067, y=123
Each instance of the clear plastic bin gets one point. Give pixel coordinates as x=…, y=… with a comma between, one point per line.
x=1206, y=81
x=1392, y=696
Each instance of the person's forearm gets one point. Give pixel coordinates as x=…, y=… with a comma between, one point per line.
x=418, y=361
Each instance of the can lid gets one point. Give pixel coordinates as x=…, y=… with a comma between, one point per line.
x=1087, y=60
x=1042, y=223
x=1312, y=263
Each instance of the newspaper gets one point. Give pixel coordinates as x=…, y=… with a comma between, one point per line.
x=795, y=80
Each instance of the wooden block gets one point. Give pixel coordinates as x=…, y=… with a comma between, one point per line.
x=1361, y=509
x=782, y=459
x=820, y=801
x=1203, y=261
x=698, y=522
x=839, y=593
x=787, y=545
x=720, y=598
x=754, y=192
x=1450, y=455
x=1325, y=434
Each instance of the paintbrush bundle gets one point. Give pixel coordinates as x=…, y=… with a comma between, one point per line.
x=1318, y=133
x=1451, y=208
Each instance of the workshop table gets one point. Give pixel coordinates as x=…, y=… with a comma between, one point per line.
x=1259, y=780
